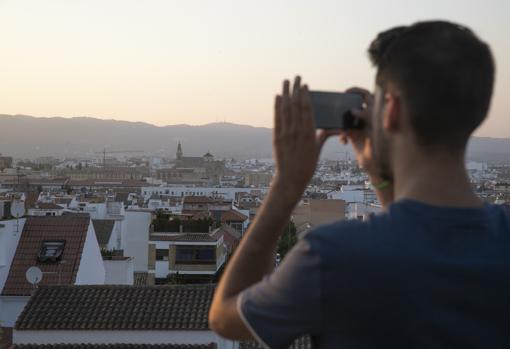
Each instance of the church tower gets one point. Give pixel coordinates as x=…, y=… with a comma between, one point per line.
x=179, y=151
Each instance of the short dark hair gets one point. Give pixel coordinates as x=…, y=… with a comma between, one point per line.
x=446, y=75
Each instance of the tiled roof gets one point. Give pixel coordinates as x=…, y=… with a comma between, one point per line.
x=31, y=199
x=103, y=229
x=71, y=228
x=202, y=237
x=233, y=215
x=119, y=183
x=117, y=307
x=231, y=231
x=5, y=337
x=47, y=206
x=63, y=201
x=114, y=346
x=300, y=343
x=197, y=200
x=201, y=214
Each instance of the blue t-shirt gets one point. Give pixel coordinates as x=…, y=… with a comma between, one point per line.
x=417, y=276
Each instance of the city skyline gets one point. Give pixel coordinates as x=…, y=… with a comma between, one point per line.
x=196, y=63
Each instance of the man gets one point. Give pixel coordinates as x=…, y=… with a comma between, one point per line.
x=432, y=271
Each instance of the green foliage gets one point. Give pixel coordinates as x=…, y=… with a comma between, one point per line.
x=111, y=253
x=288, y=239
x=175, y=279
x=166, y=223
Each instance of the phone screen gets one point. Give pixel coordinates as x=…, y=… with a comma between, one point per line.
x=331, y=110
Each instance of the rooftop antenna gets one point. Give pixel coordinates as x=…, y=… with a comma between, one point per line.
x=34, y=276
x=17, y=212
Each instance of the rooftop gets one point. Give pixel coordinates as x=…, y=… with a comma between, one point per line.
x=47, y=206
x=233, y=216
x=200, y=237
x=118, y=307
x=70, y=228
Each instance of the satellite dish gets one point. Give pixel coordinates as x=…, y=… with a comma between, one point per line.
x=34, y=275
x=17, y=209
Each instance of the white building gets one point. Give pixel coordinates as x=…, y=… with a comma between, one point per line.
x=226, y=193
x=197, y=254
x=65, y=248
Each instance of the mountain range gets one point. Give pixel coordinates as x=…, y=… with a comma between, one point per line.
x=29, y=137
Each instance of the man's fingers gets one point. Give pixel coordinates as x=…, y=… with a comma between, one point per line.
x=306, y=109
x=277, y=115
x=296, y=105
x=285, y=107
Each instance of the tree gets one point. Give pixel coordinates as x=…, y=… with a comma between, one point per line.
x=288, y=239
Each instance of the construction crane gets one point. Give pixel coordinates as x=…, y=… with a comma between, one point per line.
x=104, y=152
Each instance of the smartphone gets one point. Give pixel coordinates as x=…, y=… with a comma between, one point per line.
x=332, y=110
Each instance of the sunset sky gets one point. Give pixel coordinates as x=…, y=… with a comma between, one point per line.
x=195, y=62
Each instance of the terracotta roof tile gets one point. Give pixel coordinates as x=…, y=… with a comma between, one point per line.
x=31, y=199
x=47, y=206
x=117, y=307
x=71, y=228
x=233, y=216
x=197, y=200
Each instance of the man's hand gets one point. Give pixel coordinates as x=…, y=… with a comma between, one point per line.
x=362, y=145
x=360, y=139
x=296, y=143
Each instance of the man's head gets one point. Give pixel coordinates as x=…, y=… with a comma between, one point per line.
x=434, y=81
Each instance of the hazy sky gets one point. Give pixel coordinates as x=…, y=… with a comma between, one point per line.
x=195, y=62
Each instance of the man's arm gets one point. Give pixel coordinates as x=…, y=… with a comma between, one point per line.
x=297, y=148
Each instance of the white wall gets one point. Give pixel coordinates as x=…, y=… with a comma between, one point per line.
x=110, y=337
x=135, y=237
x=10, y=308
x=10, y=232
x=227, y=193
x=41, y=212
x=115, y=238
x=119, y=272
x=91, y=270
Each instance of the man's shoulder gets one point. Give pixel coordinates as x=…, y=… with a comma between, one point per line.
x=347, y=233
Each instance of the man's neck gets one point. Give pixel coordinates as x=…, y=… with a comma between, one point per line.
x=434, y=180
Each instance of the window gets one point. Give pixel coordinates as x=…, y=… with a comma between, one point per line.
x=195, y=255
x=51, y=251
x=162, y=254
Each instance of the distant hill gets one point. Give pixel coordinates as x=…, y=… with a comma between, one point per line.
x=28, y=137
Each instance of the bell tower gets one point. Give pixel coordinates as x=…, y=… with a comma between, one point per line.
x=179, y=151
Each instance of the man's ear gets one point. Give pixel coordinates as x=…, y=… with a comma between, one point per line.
x=392, y=112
